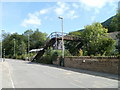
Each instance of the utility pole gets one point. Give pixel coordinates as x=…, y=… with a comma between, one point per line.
x=1, y=44
x=14, y=48
x=4, y=54
x=1, y=47
x=56, y=46
x=28, y=45
x=61, y=18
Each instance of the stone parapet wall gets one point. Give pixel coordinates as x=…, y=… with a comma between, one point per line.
x=100, y=64
x=56, y=62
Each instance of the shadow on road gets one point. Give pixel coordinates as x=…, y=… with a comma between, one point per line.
x=101, y=74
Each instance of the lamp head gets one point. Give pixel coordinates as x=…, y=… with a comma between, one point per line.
x=60, y=17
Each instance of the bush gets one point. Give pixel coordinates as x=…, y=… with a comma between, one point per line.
x=54, y=56
x=67, y=53
x=51, y=55
x=45, y=60
x=85, y=53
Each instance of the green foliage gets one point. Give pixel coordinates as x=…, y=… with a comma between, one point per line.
x=51, y=55
x=76, y=33
x=113, y=23
x=67, y=53
x=107, y=24
x=74, y=47
x=118, y=46
x=54, y=56
x=45, y=60
x=96, y=40
x=36, y=39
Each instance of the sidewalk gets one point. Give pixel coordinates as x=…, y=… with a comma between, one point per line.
x=0, y=75
x=5, y=80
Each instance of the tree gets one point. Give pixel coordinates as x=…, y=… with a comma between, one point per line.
x=118, y=46
x=28, y=32
x=36, y=37
x=115, y=23
x=96, y=40
x=74, y=46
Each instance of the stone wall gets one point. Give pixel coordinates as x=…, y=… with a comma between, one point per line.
x=100, y=64
x=113, y=35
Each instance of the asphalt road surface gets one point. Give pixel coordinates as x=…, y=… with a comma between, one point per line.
x=24, y=74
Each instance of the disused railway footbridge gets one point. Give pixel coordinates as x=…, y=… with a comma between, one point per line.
x=52, y=39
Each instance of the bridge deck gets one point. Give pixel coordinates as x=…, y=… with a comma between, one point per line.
x=52, y=39
x=68, y=38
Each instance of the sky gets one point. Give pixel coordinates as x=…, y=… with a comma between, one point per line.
x=21, y=16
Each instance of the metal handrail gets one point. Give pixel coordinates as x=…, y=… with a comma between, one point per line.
x=58, y=35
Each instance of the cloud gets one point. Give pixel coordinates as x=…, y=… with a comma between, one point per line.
x=75, y=5
x=95, y=6
x=34, y=18
x=61, y=8
x=96, y=12
x=66, y=10
x=43, y=11
x=72, y=15
x=31, y=20
x=96, y=3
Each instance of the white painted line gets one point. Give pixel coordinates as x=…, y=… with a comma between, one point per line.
x=75, y=84
x=13, y=86
x=49, y=74
x=0, y=75
x=80, y=86
x=78, y=81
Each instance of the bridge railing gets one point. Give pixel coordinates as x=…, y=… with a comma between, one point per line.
x=59, y=35
x=55, y=35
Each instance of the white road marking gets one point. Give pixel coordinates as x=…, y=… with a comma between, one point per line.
x=68, y=73
x=1, y=75
x=13, y=86
x=75, y=84
x=50, y=75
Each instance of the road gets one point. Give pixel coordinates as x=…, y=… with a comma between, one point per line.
x=24, y=74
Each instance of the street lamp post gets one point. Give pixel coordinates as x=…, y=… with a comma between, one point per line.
x=1, y=44
x=14, y=47
x=61, y=18
x=1, y=47
x=28, y=45
x=4, y=54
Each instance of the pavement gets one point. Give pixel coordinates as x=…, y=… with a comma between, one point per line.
x=0, y=75
x=24, y=74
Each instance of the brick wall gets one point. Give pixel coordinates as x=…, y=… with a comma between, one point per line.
x=101, y=64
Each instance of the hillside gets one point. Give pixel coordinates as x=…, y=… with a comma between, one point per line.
x=107, y=24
